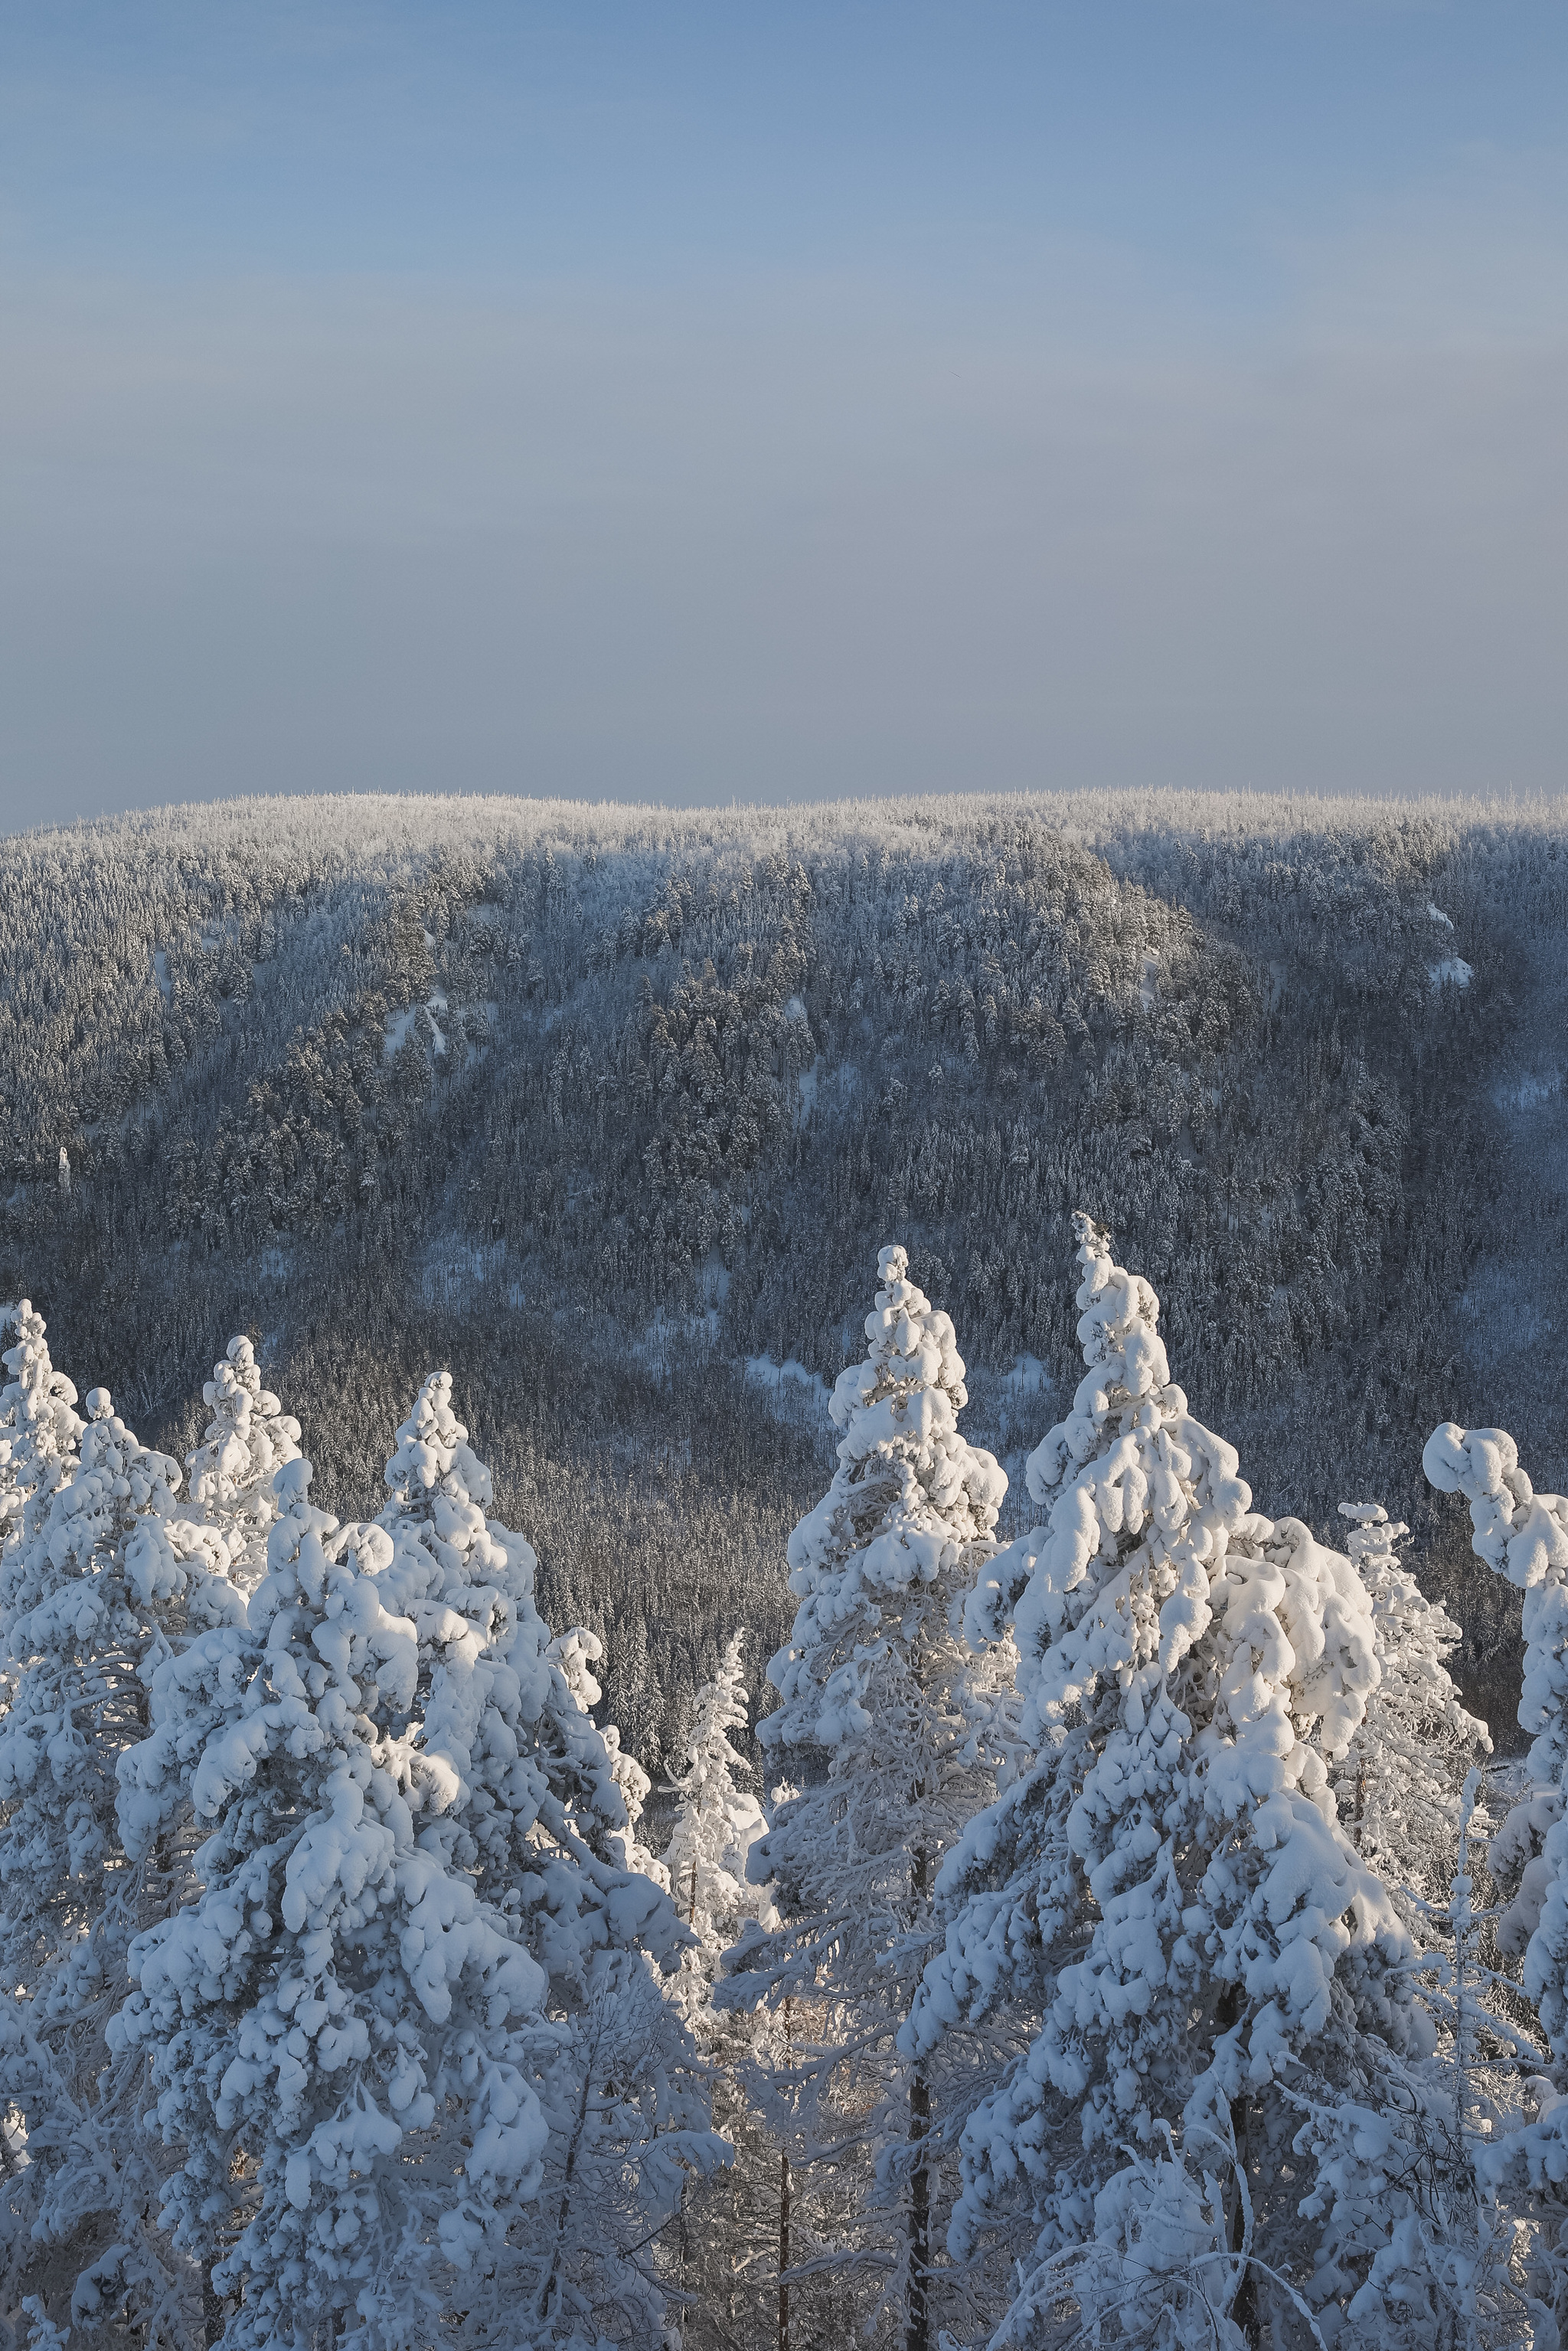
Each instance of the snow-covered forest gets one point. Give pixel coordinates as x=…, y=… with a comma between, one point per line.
x=691, y=1738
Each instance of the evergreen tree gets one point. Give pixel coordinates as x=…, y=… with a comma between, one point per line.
x=521, y=1785
x=1522, y=1536
x=248, y=1438
x=727, y=2231
x=1400, y=1782
x=516, y=1785
x=875, y=1685
x=100, y=1590
x=716, y=1824
x=40, y=1429
x=1422, y=2256
x=1164, y=1896
x=339, y=2031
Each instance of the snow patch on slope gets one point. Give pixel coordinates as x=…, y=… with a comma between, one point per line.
x=788, y=1384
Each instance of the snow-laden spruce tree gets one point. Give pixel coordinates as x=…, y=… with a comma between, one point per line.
x=1524, y=1536
x=536, y=1796
x=1400, y=1783
x=101, y=1590
x=717, y=1823
x=515, y=1783
x=1419, y=2249
x=247, y=1439
x=39, y=1428
x=887, y=1713
x=1165, y=1890
x=727, y=2231
x=340, y=2032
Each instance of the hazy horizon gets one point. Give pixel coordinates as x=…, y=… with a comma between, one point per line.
x=696, y=409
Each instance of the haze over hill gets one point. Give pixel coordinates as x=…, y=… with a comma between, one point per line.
x=610, y=1109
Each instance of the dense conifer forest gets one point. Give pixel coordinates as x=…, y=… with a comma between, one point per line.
x=601, y=1107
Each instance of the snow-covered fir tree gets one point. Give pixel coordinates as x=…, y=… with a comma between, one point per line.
x=100, y=1590
x=1400, y=1783
x=538, y=1795
x=340, y=2032
x=39, y=1427
x=247, y=1439
x=1524, y=1536
x=516, y=1784
x=728, y=2233
x=716, y=1821
x=1164, y=1898
x=888, y=1715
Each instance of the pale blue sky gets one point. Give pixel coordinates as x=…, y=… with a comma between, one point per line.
x=698, y=403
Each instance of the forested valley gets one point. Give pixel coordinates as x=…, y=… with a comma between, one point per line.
x=446, y=1417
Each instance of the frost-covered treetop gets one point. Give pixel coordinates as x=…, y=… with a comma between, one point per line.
x=1414, y=1634
x=300, y=2002
x=245, y=1416
x=115, y=1514
x=1524, y=1536
x=464, y=1577
x=1521, y=1534
x=248, y=1438
x=39, y=1424
x=1131, y=1474
x=910, y=1501
x=1185, y=1665
x=433, y=1450
x=716, y=1824
x=466, y=1581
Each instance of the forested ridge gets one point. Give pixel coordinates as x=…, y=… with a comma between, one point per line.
x=598, y=1106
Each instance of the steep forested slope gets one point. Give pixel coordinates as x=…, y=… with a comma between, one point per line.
x=601, y=1107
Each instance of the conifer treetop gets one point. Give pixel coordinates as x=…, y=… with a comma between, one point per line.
x=39, y=1427
x=1414, y=1634
x=247, y=1440
x=1524, y=1536
x=433, y=1450
x=911, y=1502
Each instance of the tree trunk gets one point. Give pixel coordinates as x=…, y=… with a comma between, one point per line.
x=542, y=2304
x=918, y=2331
x=783, y=2252
x=784, y=2199
x=213, y=2319
x=918, y=2327
x=1244, y=2309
